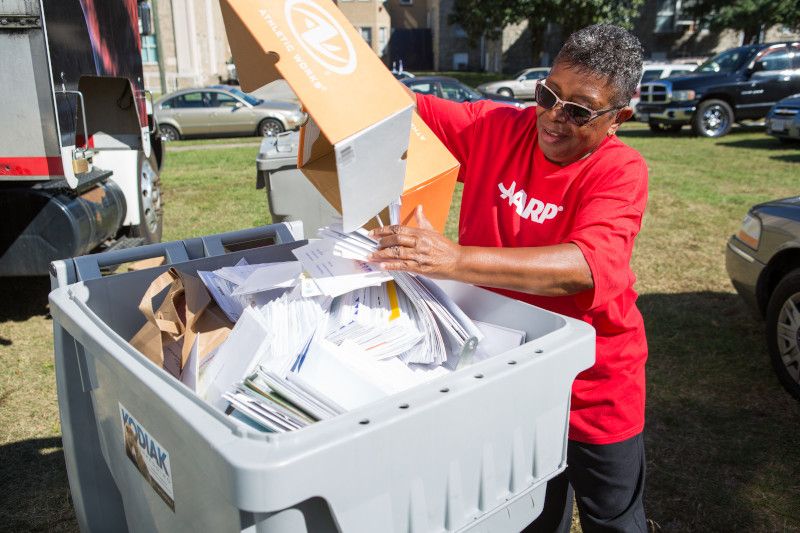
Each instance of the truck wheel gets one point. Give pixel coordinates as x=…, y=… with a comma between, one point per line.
x=713, y=118
x=505, y=91
x=783, y=332
x=151, y=212
x=270, y=127
x=169, y=133
x=658, y=127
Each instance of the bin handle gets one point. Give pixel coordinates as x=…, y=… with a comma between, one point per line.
x=214, y=245
x=88, y=267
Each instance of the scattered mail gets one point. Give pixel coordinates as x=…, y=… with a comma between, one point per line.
x=330, y=332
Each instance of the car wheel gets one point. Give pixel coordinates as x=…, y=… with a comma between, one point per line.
x=505, y=91
x=169, y=133
x=713, y=118
x=151, y=212
x=783, y=332
x=658, y=127
x=270, y=127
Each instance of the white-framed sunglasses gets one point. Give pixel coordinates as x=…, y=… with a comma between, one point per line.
x=576, y=113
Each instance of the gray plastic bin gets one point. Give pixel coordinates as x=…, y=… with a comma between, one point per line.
x=290, y=196
x=468, y=451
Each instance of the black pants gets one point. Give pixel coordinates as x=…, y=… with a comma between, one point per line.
x=607, y=480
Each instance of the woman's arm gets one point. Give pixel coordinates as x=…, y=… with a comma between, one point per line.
x=557, y=270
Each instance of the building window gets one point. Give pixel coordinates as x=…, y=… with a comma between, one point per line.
x=149, y=49
x=382, y=35
x=406, y=2
x=366, y=33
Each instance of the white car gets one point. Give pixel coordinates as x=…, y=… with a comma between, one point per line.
x=655, y=71
x=521, y=86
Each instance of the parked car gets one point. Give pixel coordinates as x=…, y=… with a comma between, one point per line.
x=452, y=89
x=738, y=84
x=655, y=71
x=521, y=86
x=763, y=262
x=783, y=120
x=222, y=111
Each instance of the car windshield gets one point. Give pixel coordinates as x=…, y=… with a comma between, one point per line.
x=727, y=62
x=252, y=100
x=520, y=74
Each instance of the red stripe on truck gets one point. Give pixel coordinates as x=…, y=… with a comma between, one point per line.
x=31, y=166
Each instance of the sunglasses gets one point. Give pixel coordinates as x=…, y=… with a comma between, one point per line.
x=576, y=113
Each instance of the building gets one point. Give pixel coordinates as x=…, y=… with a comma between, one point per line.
x=372, y=20
x=189, y=41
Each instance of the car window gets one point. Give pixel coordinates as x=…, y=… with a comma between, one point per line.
x=518, y=74
x=423, y=87
x=188, y=100
x=223, y=100
x=652, y=74
x=727, y=61
x=781, y=59
x=252, y=100
x=452, y=91
x=535, y=75
x=168, y=104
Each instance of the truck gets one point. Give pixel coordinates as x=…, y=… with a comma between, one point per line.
x=741, y=83
x=79, y=151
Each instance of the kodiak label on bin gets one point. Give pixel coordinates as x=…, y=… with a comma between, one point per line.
x=150, y=458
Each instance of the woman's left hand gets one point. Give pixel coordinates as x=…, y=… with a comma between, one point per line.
x=421, y=250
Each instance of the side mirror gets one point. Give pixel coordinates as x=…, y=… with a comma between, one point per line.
x=758, y=66
x=237, y=105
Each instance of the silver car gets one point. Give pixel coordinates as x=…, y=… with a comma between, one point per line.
x=521, y=86
x=763, y=262
x=223, y=111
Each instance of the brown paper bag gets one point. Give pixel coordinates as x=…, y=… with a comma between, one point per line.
x=187, y=315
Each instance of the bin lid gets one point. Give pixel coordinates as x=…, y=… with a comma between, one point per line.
x=278, y=151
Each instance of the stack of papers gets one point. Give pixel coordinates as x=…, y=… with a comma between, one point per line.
x=338, y=261
x=379, y=320
x=330, y=332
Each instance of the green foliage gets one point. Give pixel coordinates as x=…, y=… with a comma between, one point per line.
x=489, y=17
x=749, y=16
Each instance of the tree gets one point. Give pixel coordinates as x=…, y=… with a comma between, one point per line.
x=489, y=17
x=749, y=16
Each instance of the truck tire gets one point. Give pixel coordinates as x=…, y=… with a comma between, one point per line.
x=151, y=212
x=658, y=127
x=713, y=118
x=270, y=126
x=783, y=332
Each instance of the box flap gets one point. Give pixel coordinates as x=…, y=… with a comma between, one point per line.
x=342, y=84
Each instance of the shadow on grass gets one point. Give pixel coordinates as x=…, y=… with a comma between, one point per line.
x=23, y=298
x=765, y=143
x=34, y=492
x=721, y=433
x=685, y=132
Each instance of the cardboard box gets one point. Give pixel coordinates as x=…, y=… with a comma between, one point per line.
x=358, y=148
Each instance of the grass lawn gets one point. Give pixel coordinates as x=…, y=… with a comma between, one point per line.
x=721, y=434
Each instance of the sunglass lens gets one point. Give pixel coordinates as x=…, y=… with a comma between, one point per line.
x=579, y=115
x=545, y=97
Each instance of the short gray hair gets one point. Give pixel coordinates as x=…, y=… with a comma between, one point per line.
x=607, y=51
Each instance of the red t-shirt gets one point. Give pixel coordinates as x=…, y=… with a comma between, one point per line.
x=514, y=197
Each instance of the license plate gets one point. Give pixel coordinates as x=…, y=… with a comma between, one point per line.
x=777, y=124
x=644, y=117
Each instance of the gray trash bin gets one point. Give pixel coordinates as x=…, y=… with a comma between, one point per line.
x=290, y=196
x=468, y=451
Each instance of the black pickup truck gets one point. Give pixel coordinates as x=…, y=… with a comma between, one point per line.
x=738, y=84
